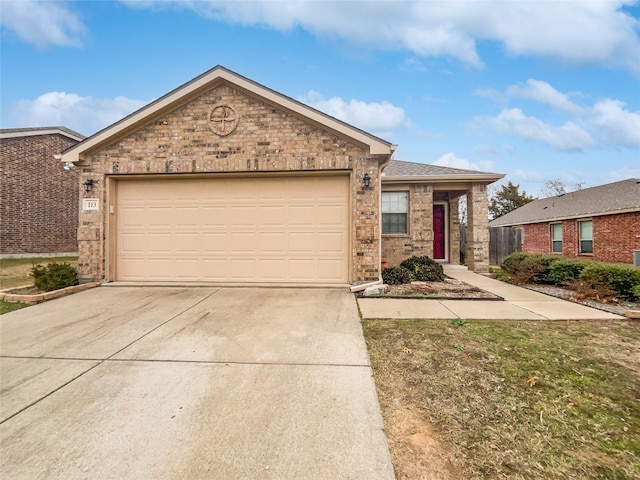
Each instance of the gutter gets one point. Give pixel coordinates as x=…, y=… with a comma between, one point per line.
x=441, y=178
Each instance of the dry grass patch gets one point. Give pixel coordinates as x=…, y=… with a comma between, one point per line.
x=517, y=400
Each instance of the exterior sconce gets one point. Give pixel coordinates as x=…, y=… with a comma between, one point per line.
x=88, y=185
x=366, y=180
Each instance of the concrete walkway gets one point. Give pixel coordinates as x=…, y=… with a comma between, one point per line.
x=519, y=304
x=181, y=383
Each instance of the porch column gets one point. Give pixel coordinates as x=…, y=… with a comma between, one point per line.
x=454, y=232
x=478, y=228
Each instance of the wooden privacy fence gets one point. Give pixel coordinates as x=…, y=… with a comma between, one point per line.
x=503, y=241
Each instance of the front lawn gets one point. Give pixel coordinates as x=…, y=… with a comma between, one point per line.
x=507, y=399
x=6, y=307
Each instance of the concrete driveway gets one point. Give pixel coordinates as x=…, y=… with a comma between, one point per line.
x=159, y=382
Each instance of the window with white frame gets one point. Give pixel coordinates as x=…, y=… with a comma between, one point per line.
x=585, y=230
x=556, y=237
x=395, y=210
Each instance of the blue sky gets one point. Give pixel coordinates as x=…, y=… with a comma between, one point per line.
x=538, y=90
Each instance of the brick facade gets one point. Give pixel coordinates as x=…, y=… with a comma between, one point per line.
x=615, y=237
x=266, y=139
x=478, y=233
x=38, y=198
x=419, y=240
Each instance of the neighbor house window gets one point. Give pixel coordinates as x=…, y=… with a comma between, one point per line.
x=586, y=236
x=395, y=207
x=556, y=237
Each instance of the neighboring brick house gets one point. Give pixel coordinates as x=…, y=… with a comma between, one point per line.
x=601, y=222
x=38, y=198
x=226, y=181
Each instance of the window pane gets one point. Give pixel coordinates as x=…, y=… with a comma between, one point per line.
x=394, y=223
x=557, y=247
x=394, y=202
x=586, y=230
x=586, y=246
x=556, y=231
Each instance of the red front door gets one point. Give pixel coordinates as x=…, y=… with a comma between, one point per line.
x=438, y=232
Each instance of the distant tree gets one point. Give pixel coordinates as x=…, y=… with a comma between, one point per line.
x=555, y=187
x=506, y=199
x=462, y=210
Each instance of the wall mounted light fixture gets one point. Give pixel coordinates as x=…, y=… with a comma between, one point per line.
x=88, y=185
x=366, y=180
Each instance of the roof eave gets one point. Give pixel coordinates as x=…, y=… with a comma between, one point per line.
x=484, y=178
x=35, y=133
x=569, y=217
x=192, y=88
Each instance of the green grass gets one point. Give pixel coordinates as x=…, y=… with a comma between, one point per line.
x=6, y=307
x=14, y=272
x=517, y=400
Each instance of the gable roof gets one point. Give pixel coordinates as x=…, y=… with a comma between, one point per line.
x=617, y=197
x=199, y=86
x=401, y=171
x=33, y=131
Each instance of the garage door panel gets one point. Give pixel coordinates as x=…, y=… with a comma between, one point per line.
x=302, y=215
x=302, y=269
x=330, y=242
x=329, y=215
x=328, y=268
x=156, y=216
x=273, y=242
x=214, y=243
x=160, y=243
x=271, y=230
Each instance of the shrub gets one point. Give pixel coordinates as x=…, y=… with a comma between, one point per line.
x=396, y=276
x=528, y=268
x=54, y=276
x=424, y=269
x=566, y=271
x=623, y=280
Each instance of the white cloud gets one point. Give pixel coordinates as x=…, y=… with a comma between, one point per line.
x=606, y=123
x=450, y=160
x=83, y=114
x=579, y=32
x=379, y=118
x=569, y=136
x=42, y=24
x=544, y=93
x=616, y=126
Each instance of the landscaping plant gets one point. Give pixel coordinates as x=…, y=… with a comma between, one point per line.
x=424, y=269
x=54, y=276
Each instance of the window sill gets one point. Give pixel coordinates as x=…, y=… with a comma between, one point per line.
x=395, y=235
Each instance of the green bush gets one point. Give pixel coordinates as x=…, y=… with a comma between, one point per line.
x=396, y=276
x=54, y=276
x=565, y=271
x=623, y=280
x=424, y=269
x=528, y=267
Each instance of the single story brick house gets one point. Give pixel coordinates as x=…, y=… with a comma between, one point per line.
x=602, y=223
x=224, y=180
x=38, y=198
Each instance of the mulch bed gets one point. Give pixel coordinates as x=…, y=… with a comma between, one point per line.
x=449, y=289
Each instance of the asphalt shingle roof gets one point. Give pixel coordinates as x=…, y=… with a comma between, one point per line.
x=610, y=198
x=10, y=132
x=399, y=168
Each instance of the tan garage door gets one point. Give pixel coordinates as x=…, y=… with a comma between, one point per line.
x=244, y=230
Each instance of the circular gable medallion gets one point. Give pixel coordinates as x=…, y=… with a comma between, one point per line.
x=223, y=120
